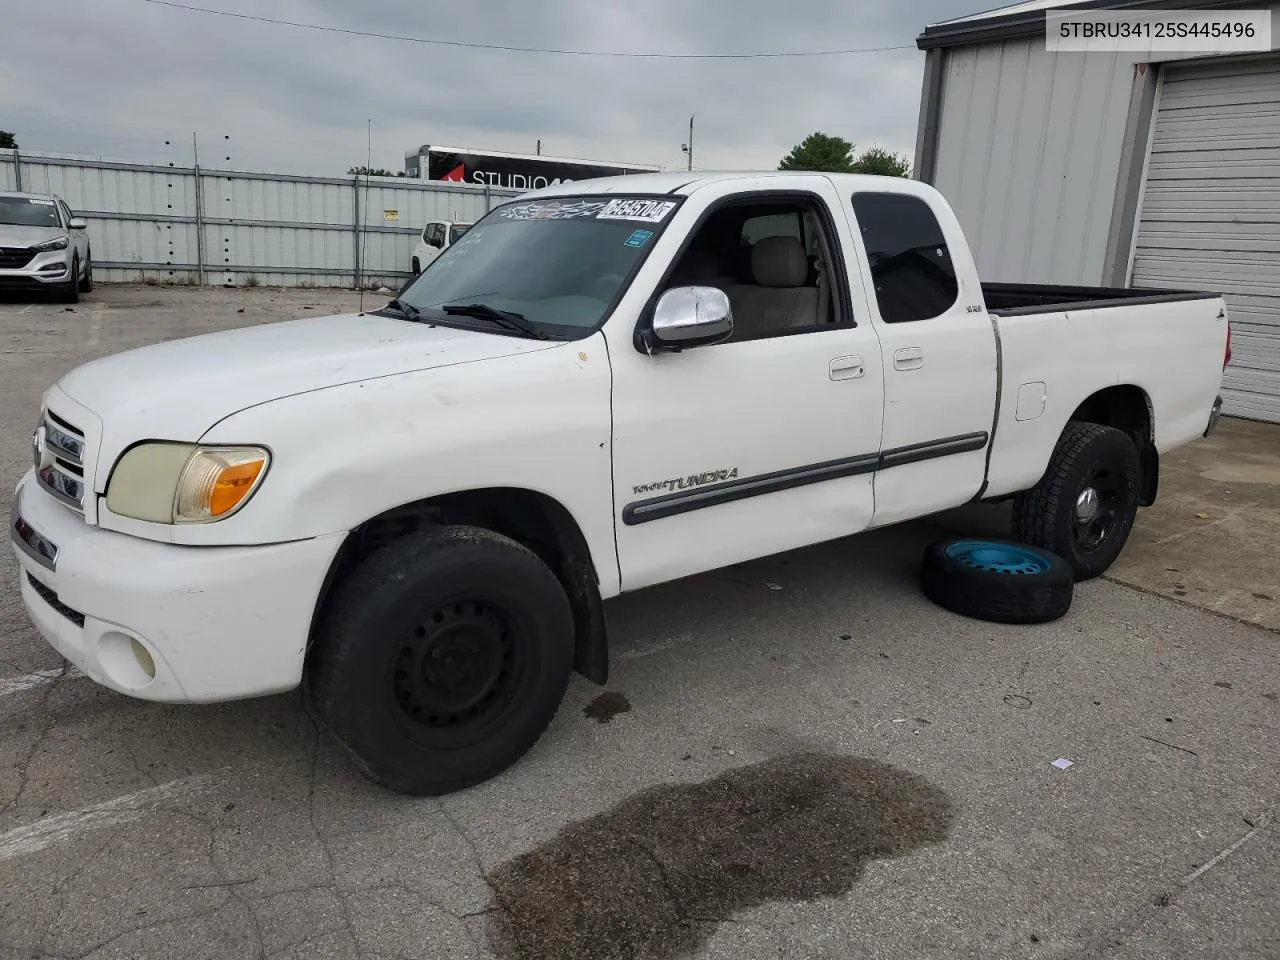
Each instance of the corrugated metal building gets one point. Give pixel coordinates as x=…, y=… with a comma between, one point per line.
x=1109, y=169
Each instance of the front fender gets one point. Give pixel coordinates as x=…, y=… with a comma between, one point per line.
x=540, y=421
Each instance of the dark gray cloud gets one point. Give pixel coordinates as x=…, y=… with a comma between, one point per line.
x=119, y=77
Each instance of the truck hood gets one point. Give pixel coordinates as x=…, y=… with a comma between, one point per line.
x=179, y=389
x=13, y=235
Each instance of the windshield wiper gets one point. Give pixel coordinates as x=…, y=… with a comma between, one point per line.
x=503, y=318
x=408, y=309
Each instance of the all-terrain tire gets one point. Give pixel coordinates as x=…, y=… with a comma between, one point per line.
x=1088, y=456
x=441, y=659
x=996, y=580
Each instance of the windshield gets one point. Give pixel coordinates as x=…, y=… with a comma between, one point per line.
x=457, y=230
x=28, y=212
x=559, y=263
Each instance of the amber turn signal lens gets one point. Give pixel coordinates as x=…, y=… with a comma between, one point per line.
x=231, y=486
x=216, y=481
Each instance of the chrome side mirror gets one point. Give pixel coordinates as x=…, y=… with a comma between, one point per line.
x=692, y=317
x=78, y=224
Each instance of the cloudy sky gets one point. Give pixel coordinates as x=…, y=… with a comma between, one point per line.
x=117, y=78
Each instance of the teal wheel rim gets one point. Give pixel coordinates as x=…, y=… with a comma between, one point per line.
x=995, y=557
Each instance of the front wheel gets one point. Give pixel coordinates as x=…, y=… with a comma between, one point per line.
x=86, y=282
x=441, y=659
x=70, y=292
x=1084, y=507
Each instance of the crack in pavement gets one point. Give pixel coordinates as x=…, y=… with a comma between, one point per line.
x=323, y=841
x=24, y=765
x=499, y=906
x=1152, y=907
x=62, y=891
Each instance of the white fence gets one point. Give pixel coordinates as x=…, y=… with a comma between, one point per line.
x=193, y=225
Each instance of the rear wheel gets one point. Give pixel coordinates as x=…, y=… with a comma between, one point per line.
x=442, y=658
x=1084, y=507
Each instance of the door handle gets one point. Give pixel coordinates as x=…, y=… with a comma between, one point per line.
x=908, y=358
x=847, y=368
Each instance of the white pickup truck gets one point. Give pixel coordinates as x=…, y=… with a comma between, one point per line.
x=416, y=513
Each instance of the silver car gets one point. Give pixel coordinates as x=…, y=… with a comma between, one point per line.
x=43, y=246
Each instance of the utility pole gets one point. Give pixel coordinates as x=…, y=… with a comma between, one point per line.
x=688, y=147
x=539, y=148
x=199, y=191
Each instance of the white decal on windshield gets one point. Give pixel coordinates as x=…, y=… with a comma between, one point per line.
x=551, y=210
x=650, y=211
x=40, y=203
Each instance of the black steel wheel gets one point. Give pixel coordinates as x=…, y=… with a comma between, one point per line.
x=457, y=670
x=441, y=658
x=1084, y=507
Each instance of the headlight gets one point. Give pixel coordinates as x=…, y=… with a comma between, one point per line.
x=59, y=244
x=184, y=483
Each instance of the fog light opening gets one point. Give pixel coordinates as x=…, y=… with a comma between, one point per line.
x=126, y=660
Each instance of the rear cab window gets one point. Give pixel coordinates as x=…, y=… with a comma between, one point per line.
x=911, y=265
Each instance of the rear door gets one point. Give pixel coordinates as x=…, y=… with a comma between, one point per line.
x=938, y=352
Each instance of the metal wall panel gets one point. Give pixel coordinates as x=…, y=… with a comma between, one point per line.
x=171, y=224
x=1029, y=146
x=8, y=172
x=1028, y=150
x=1210, y=215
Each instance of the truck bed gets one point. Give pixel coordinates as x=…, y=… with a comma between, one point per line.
x=1018, y=299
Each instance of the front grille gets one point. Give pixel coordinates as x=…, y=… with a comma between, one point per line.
x=14, y=258
x=51, y=598
x=60, y=461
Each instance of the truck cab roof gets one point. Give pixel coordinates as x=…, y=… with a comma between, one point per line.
x=685, y=183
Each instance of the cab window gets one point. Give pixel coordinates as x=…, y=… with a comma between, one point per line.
x=910, y=262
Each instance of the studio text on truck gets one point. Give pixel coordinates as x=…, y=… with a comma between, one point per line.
x=509, y=170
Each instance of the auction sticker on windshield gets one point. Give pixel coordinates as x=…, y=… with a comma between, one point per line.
x=650, y=211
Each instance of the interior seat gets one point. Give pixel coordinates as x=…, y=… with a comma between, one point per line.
x=779, y=299
x=700, y=268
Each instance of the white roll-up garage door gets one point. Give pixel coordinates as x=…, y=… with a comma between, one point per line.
x=1210, y=215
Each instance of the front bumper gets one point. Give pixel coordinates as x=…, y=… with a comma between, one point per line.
x=1214, y=416
x=216, y=623
x=43, y=271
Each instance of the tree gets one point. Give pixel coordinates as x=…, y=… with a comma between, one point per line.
x=8, y=141
x=882, y=163
x=822, y=153
x=371, y=172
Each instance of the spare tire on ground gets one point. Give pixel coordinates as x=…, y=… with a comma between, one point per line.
x=997, y=580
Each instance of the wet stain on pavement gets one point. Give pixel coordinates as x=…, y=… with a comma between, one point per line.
x=607, y=706
x=652, y=878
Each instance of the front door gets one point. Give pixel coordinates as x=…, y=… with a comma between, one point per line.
x=767, y=441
